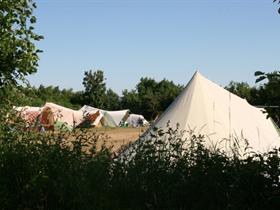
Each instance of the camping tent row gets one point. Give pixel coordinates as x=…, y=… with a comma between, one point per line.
x=54, y=117
x=117, y=118
x=223, y=118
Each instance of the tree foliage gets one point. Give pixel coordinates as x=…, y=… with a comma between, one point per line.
x=95, y=88
x=268, y=93
x=33, y=96
x=150, y=97
x=242, y=89
x=18, y=53
x=112, y=100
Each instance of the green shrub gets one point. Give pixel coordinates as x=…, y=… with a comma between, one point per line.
x=65, y=170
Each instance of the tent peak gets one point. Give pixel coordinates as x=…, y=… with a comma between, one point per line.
x=197, y=73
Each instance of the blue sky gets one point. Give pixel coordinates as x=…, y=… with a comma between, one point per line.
x=129, y=39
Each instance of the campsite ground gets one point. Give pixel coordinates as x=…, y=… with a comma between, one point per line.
x=117, y=137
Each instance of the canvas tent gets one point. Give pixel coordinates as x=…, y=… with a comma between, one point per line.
x=27, y=108
x=136, y=120
x=56, y=116
x=110, y=118
x=119, y=116
x=107, y=120
x=222, y=117
x=91, y=120
x=89, y=109
x=29, y=113
x=104, y=119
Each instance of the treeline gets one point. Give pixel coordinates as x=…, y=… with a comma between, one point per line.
x=148, y=98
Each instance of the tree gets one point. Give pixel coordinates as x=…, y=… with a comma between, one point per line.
x=242, y=89
x=77, y=98
x=167, y=92
x=130, y=100
x=18, y=53
x=150, y=97
x=277, y=1
x=155, y=97
x=112, y=100
x=268, y=93
x=95, y=88
x=149, y=102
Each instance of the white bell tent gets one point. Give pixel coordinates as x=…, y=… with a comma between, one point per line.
x=222, y=117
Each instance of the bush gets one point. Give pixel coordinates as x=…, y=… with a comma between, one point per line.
x=68, y=171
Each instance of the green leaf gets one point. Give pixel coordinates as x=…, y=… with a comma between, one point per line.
x=260, y=79
x=18, y=52
x=33, y=19
x=259, y=73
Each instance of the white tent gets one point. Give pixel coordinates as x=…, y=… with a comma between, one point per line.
x=89, y=109
x=136, y=120
x=117, y=116
x=28, y=109
x=29, y=113
x=222, y=117
x=102, y=119
x=69, y=116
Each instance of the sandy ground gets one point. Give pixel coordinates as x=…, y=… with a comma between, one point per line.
x=115, y=138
